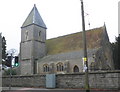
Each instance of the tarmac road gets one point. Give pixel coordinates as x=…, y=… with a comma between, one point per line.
x=18, y=89
x=56, y=91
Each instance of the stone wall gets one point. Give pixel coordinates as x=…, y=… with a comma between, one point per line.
x=25, y=81
x=73, y=58
x=104, y=80
x=0, y=49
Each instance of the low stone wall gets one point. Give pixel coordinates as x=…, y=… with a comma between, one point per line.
x=104, y=80
x=24, y=81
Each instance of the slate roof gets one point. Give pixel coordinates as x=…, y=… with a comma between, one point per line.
x=34, y=18
x=73, y=42
x=67, y=56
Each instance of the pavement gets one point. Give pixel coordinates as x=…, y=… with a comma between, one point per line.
x=25, y=89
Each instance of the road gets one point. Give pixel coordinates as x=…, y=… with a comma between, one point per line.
x=18, y=89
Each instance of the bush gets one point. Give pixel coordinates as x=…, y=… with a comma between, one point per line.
x=7, y=72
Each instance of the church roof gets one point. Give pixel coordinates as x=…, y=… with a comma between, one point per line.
x=66, y=56
x=73, y=42
x=34, y=18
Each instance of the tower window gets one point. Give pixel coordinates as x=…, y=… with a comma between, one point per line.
x=26, y=35
x=39, y=33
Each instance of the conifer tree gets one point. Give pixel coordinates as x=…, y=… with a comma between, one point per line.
x=4, y=48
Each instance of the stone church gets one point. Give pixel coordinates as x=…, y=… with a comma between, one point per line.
x=63, y=54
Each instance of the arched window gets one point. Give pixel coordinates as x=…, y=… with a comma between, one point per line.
x=46, y=68
x=57, y=68
x=76, y=69
x=60, y=66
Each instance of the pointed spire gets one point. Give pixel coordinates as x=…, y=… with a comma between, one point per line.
x=104, y=26
x=105, y=32
x=34, y=18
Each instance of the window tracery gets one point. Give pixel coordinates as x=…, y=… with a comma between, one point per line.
x=46, y=68
x=60, y=67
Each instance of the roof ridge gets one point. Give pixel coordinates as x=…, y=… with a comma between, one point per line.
x=76, y=33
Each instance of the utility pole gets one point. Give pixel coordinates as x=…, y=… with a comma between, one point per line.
x=10, y=72
x=85, y=49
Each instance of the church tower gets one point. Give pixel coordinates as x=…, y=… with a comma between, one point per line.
x=32, y=46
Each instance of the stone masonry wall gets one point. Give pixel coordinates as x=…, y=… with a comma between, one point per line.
x=0, y=49
x=25, y=81
x=104, y=80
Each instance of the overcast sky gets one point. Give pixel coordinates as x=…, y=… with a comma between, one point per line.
x=61, y=17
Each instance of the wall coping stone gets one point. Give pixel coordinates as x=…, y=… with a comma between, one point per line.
x=35, y=75
x=81, y=73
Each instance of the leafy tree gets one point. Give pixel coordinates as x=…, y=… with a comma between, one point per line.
x=116, y=52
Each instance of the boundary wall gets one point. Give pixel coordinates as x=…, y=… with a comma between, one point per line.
x=102, y=80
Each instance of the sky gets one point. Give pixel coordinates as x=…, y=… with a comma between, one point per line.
x=61, y=17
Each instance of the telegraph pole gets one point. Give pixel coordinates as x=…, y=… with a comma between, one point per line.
x=10, y=72
x=85, y=60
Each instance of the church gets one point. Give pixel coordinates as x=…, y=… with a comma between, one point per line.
x=64, y=54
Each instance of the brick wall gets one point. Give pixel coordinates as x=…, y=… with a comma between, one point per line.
x=104, y=80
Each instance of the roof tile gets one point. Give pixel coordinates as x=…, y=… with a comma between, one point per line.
x=34, y=18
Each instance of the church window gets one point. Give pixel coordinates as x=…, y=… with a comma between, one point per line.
x=26, y=35
x=60, y=67
x=75, y=69
x=57, y=68
x=46, y=68
x=39, y=33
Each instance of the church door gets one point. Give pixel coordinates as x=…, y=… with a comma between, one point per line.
x=75, y=69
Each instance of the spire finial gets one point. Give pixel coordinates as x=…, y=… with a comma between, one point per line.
x=34, y=5
x=104, y=24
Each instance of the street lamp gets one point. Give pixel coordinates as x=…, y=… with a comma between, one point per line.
x=85, y=60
